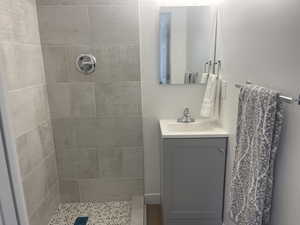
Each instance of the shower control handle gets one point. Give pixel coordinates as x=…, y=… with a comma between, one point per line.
x=86, y=63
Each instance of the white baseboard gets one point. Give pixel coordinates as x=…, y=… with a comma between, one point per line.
x=152, y=198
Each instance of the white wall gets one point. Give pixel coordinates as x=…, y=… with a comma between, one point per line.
x=159, y=102
x=260, y=42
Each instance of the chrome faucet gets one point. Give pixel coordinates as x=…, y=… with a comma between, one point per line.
x=187, y=117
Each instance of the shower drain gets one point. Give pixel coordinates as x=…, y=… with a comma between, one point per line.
x=81, y=221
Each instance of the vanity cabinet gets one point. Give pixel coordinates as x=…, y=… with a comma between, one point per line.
x=192, y=180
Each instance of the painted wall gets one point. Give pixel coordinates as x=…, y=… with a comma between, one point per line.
x=24, y=83
x=158, y=101
x=97, y=118
x=260, y=43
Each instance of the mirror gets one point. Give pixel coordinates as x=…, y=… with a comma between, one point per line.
x=185, y=34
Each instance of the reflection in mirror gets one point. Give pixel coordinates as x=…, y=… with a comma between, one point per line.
x=184, y=43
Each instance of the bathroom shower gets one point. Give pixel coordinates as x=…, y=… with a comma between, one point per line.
x=73, y=87
x=126, y=112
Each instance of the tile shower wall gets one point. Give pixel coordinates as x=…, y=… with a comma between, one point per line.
x=22, y=68
x=96, y=118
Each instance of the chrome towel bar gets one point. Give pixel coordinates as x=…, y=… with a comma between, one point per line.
x=283, y=98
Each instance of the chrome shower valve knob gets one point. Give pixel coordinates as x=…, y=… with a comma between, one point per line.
x=86, y=63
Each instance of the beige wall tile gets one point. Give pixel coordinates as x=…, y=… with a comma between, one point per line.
x=95, y=132
x=51, y=170
x=40, y=101
x=77, y=163
x=117, y=63
x=118, y=98
x=23, y=65
x=64, y=133
x=88, y=132
x=69, y=190
x=46, y=137
x=130, y=62
x=72, y=100
x=29, y=66
x=115, y=26
x=28, y=109
x=26, y=29
x=83, y=99
x=109, y=189
x=133, y=163
x=33, y=147
x=110, y=162
x=6, y=21
x=68, y=26
x=37, y=184
x=118, y=131
x=128, y=132
x=108, y=64
x=55, y=60
x=60, y=100
x=121, y=162
x=8, y=63
x=47, y=208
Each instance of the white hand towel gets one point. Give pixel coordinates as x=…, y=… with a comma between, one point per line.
x=218, y=98
x=204, y=78
x=210, y=103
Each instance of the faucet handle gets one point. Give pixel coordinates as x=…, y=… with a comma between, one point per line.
x=186, y=111
x=187, y=117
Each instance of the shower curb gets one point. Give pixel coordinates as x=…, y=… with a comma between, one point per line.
x=137, y=210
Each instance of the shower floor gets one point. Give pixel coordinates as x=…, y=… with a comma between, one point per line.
x=98, y=213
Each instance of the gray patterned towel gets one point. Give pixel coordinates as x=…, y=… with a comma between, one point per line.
x=258, y=130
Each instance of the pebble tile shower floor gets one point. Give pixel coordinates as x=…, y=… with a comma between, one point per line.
x=99, y=213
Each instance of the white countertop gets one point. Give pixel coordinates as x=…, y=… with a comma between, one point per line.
x=201, y=128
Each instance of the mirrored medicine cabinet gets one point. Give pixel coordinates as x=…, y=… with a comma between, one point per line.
x=187, y=44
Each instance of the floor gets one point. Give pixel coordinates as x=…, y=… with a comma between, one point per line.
x=99, y=213
x=154, y=215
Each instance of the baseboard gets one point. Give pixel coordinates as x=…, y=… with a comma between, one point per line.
x=152, y=198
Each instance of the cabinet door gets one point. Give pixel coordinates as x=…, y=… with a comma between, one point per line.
x=193, y=181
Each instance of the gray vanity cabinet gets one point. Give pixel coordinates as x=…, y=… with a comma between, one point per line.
x=192, y=180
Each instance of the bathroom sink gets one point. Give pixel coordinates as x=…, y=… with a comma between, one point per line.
x=199, y=128
x=187, y=127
